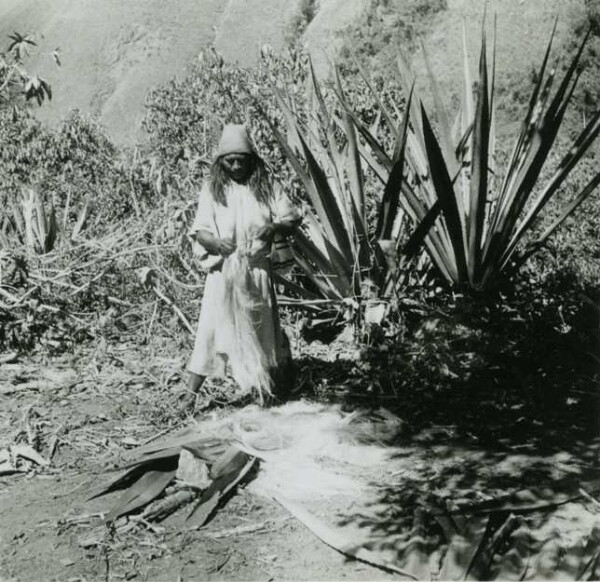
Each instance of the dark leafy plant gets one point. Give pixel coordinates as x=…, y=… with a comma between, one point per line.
x=16, y=83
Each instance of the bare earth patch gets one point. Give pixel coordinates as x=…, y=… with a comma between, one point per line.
x=85, y=412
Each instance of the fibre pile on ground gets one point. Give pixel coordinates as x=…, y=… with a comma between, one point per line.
x=367, y=490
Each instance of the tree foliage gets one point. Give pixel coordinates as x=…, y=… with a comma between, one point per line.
x=17, y=85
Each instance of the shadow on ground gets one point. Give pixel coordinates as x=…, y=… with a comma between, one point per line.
x=498, y=427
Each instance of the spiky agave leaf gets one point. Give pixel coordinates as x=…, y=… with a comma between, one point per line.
x=353, y=167
x=356, y=190
x=521, y=181
x=576, y=152
x=149, y=486
x=447, y=147
x=444, y=190
x=389, y=205
x=479, y=231
x=323, y=200
x=390, y=170
x=332, y=249
x=479, y=171
x=336, y=272
x=235, y=465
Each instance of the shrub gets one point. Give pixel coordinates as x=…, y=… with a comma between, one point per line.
x=17, y=86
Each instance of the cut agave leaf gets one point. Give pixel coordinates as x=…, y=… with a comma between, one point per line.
x=132, y=473
x=339, y=540
x=589, y=568
x=147, y=488
x=513, y=564
x=231, y=468
x=122, y=479
x=203, y=510
x=463, y=548
x=204, y=448
x=416, y=558
x=231, y=461
x=177, y=439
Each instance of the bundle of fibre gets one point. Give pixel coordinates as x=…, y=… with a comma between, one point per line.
x=310, y=450
x=247, y=360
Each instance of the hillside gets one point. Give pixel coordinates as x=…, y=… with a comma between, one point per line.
x=523, y=28
x=113, y=52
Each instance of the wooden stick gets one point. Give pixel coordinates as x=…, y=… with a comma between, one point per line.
x=176, y=309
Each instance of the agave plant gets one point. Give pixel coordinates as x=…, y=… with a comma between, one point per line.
x=475, y=226
x=34, y=224
x=341, y=259
x=37, y=225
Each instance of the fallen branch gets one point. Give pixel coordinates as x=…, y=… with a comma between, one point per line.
x=245, y=529
x=54, y=442
x=162, y=508
x=176, y=309
x=19, y=388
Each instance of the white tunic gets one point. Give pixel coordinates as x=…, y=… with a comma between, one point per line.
x=239, y=220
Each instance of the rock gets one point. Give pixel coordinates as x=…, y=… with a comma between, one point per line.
x=192, y=471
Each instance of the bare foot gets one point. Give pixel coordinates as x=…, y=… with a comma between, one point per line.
x=186, y=405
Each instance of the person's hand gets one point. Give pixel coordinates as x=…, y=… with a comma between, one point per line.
x=266, y=233
x=225, y=246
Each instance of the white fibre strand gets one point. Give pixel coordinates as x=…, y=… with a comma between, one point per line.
x=307, y=451
x=247, y=360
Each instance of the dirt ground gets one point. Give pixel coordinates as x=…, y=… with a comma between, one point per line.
x=82, y=411
x=93, y=406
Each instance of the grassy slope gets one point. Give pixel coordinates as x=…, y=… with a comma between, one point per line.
x=323, y=32
x=114, y=51
x=246, y=25
x=523, y=30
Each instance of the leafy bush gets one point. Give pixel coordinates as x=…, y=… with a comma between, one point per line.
x=17, y=85
x=23, y=154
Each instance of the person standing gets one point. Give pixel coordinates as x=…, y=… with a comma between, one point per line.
x=238, y=217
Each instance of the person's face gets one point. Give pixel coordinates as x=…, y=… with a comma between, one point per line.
x=237, y=166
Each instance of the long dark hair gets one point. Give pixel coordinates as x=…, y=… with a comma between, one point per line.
x=258, y=182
